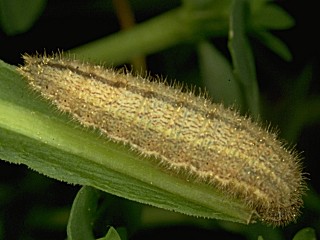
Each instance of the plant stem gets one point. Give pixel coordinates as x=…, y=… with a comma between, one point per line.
x=173, y=27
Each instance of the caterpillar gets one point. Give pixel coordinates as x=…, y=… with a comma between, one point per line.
x=185, y=132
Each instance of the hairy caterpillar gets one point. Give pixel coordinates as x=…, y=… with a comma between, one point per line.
x=185, y=132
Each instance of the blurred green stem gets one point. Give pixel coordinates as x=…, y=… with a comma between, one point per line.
x=173, y=27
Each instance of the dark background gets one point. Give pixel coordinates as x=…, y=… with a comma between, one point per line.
x=66, y=24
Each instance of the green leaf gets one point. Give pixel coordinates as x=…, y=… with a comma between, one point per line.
x=187, y=23
x=306, y=234
x=217, y=75
x=275, y=44
x=82, y=214
x=270, y=16
x=34, y=133
x=18, y=16
x=242, y=57
x=111, y=235
x=205, y=4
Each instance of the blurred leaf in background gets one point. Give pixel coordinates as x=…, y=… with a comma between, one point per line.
x=18, y=16
x=186, y=40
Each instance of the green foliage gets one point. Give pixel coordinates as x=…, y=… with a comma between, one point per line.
x=305, y=234
x=214, y=67
x=19, y=16
x=34, y=134
x=242, y=58
x=82, y=214
x=28, y=124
